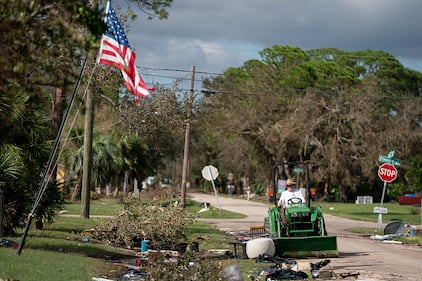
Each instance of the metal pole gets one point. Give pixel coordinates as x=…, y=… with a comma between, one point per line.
x=215, y=190
x=382, y=200
x=275, y=167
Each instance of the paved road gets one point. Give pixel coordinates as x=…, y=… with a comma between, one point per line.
x=374, y=260
x=256, y=212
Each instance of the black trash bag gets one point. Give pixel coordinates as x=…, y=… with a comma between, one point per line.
x=275, y=259
x=315, y=267
x=318, y=265
x=276, y=273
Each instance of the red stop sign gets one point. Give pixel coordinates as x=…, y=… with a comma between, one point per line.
x=387, y=172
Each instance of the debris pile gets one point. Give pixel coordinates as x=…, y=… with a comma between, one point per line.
x=287, y=269
x=395, y=229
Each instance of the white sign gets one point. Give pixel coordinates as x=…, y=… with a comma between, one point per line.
x=380, y=210
x=210, y=172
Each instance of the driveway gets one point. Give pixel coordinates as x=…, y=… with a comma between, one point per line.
x=256, y=212
x=373, y=260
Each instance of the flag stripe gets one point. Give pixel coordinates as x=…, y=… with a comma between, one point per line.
x=115, y=51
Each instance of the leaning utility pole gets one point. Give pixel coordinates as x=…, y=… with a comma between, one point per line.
x=187, y=132
x=44, y=181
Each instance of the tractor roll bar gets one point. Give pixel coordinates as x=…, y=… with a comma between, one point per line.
x=274, y=175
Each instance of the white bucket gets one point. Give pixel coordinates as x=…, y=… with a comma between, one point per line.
x=260, y=246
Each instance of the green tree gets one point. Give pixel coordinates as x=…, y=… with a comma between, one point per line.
x=40, y=53
x=24, y=147
x=159, y=122
x=414, y=174
x=337, y=109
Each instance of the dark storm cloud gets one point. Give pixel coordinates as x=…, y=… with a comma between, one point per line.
x=215, y=35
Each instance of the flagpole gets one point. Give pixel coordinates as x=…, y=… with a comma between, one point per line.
x=107, y=7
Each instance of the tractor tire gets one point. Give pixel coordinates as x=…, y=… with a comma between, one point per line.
x=267, y=225
x=320, y=224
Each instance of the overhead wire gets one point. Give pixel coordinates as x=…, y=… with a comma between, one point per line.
x=258, y=91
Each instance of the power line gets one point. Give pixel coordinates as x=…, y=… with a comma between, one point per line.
x=178, y=70
x=254, y=90
x=298, y=91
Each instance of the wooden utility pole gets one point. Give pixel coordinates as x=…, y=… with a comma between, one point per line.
x=187, y=132
x=87, y=158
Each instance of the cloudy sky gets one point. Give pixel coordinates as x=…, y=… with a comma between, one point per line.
x=216, y=34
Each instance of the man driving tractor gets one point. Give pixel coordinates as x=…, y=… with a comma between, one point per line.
x=290, y=192
x=296, y=227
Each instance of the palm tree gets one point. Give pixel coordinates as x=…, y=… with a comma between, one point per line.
x=24, y=145
x=115, y=156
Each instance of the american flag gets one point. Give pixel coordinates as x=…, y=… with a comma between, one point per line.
x=115, y=51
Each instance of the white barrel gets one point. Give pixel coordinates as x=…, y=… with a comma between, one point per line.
x=260, y=246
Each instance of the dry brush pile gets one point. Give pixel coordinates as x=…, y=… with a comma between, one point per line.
x=160, y=225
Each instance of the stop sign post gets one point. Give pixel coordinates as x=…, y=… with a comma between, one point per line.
x=387, y=173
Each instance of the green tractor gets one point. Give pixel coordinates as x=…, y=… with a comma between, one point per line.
x=299, y=230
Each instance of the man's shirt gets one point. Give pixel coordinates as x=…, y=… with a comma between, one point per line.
x=286, y=195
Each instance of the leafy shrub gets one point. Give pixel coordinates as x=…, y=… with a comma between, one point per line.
x=258, y=188
x=159, y=224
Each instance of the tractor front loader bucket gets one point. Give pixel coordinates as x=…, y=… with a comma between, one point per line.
x=306, y=246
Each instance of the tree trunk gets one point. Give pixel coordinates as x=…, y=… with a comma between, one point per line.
x=116, y=186
x=87, y=158
x=135, y=188
x=108, y=190
x=76, y=194
x=56, y=121
x=39, y=224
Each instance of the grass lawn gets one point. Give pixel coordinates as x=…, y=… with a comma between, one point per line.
x=34, y=264
x=406, y=214
x=103, y=206
x=58, y=252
